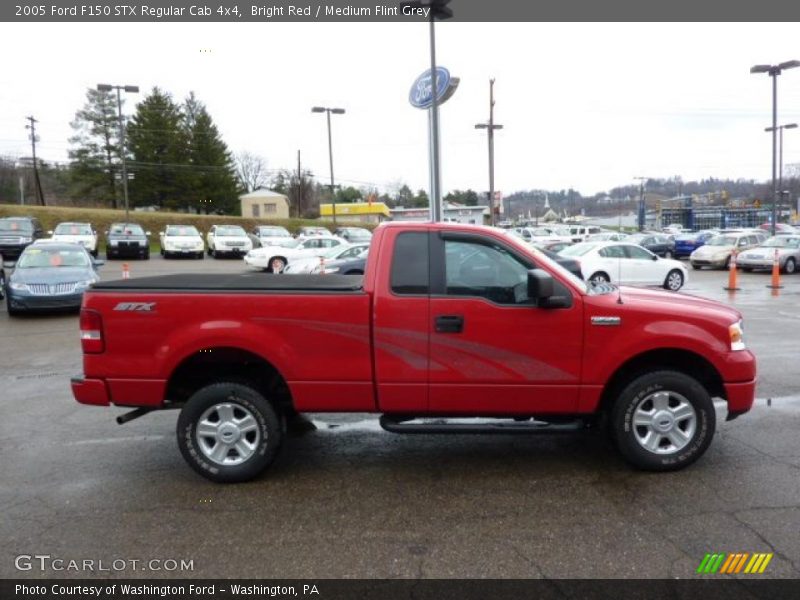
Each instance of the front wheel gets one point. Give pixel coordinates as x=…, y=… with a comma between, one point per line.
x=663, y=421
x=277, y=265
x=674, y=280
x=228, y=432
x=599, y=278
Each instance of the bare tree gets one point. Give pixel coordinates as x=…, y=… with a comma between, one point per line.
x=251, y=170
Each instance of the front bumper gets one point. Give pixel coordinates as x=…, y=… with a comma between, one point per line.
x=717, y=263
x=24, y=301
x=231, y=251
x=759, y=263
x=127, y=250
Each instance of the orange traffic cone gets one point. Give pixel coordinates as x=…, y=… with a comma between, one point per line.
x=126, y=272
x=732, y=287
x=776, y=273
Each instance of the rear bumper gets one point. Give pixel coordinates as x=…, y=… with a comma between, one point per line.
x=90, y=391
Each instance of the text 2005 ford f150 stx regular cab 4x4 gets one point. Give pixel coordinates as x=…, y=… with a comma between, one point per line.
x=448, y=321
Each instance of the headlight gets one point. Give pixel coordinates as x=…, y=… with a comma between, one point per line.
x=20, y=287
x=26, y=240
x=737, y=336
x=82, y=285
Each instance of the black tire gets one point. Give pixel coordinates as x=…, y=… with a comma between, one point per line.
x=200, y=256
x=599, y=277
x=94, y=253
x=681, y=390
x=276, y=264
x=727, y=264
x=674, y=280
x=212, y=253
x=146, y=255
x=696, y=267
x=746, y=269
x=2, y=283
x=266, y=436
x=789, y=267
x=12, y=312
x=667, y=254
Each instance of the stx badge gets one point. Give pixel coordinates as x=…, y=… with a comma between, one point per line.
x=135, y=306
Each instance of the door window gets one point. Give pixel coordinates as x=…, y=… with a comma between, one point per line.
x=486, y=271
x=612, y=252
x=410, y=264
x=638, y=253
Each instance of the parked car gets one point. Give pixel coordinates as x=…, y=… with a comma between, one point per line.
x=657, y=243
x=76, y=233
x=181, y=240
x=539, y=235
x=624, y=263
x=779, y=228
x=309, y=231
x=579, y=233
x=271, y=235
x=50, y=276
x=346, y=266
x=354, y=235
x=716, y=252
x=17, y=233
x=274, y=259
x=763, y=256
x=231, y=240
x=340, y=252
x=607, y=236
x=127, y=239
x=686, y=243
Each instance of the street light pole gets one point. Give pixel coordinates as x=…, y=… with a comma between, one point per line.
x=780, y=156
x=104, y=87
x=490, y=126
x=328, y=111
x=773, y=71
x=640, y=220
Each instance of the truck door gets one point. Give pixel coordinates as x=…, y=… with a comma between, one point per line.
x=492, y=350
x=401, y=313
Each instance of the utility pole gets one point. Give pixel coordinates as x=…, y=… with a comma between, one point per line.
x=641, y=217
x=299, y=190
x=490, y=126
x=32, y=127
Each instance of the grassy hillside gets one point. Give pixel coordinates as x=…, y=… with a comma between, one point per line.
x=153, y=222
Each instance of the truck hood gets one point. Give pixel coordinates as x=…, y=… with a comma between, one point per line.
x=664, y=303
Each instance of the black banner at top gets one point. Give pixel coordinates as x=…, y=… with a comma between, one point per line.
x=243, y=11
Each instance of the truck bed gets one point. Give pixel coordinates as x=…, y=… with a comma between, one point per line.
x=245, y=282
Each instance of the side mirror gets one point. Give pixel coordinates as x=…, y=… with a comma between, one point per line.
x=655, y=256
x=540, y=284
x=98, y=263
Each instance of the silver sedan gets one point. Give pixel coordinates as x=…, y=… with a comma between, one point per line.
x=762, y=257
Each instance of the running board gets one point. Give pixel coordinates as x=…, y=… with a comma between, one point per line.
x=409, y=425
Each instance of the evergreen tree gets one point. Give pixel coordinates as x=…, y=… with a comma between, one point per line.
x=158, y=141
x=213, y=172
x=95, y=158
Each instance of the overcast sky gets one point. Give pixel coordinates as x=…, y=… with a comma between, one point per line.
x=588, y=106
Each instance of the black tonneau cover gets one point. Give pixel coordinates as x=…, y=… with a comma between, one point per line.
x=238, y=282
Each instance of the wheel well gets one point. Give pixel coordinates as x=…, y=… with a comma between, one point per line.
x=210, y=365
x=671, y=359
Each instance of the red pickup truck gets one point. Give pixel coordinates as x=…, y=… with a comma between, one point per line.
x=452, y=328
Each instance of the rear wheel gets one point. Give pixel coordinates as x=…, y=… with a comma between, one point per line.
x=667, y=254
x=228, y=432
x=790, y=266
x=674, y=280
x=663, y=421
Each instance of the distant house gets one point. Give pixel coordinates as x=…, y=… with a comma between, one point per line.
x=452, y=212
x=265, y=204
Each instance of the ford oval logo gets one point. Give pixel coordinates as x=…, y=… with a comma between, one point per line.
x=421, y=95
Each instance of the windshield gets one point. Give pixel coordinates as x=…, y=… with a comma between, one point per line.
x=782, y=241
x=578, y=249
x=232, y=230
x=131, y=229
x=15, y=226
x=273, y=232
x=73, y=229
x=722, y=240
x=34, y=258
x=182, y=230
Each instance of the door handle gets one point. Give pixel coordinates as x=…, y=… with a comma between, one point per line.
x=449, y=324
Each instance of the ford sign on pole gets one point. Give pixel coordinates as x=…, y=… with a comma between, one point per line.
x=421, y=96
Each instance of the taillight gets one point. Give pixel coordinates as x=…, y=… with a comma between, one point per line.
x=91, y=331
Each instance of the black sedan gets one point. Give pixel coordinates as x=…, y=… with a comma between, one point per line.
x=50, y=276
x=655, y=242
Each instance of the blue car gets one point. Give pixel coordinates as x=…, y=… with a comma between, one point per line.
x=686, y=243
x=50, y=276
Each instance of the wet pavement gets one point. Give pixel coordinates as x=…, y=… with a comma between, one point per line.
x=350, y=500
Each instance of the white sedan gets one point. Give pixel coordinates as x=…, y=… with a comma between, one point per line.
x=76, y=233
x=274, y=258
x=340, y=252
x=618, y=262
x=228, y=239
x=182, y=240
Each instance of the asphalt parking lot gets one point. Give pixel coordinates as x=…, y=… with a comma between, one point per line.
x=350, y=500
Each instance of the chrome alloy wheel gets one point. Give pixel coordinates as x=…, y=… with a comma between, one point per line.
x=664, y=422
x=228, y=434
